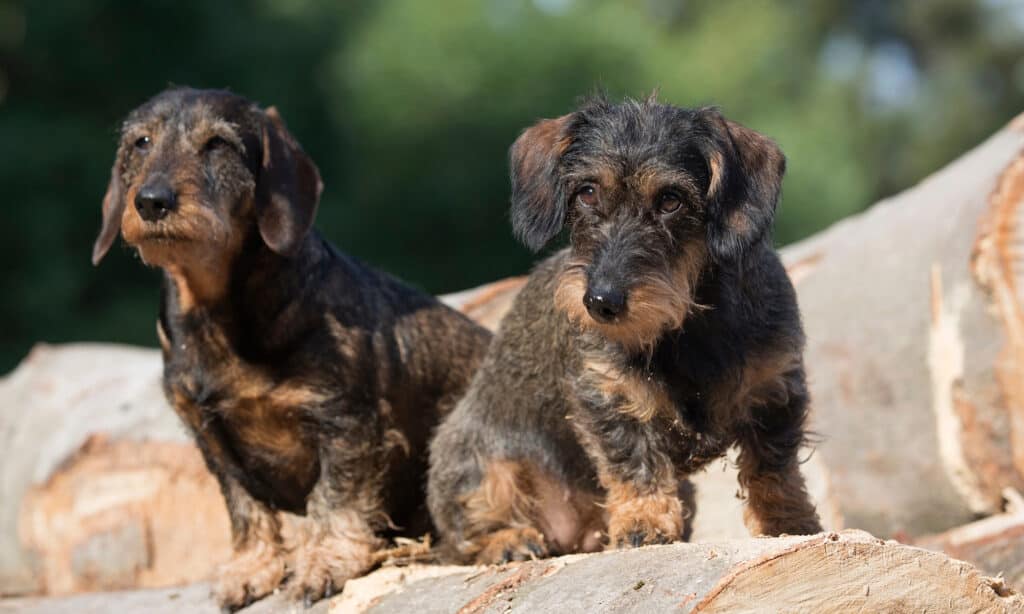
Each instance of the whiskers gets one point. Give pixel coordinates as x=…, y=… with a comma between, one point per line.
x=659, y=302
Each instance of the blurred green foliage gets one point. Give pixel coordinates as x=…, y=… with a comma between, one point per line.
x=409, y=106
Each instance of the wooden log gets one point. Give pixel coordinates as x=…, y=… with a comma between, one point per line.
x=994, y=545
x=915, y=327
x=101, y=487
x=826, y=573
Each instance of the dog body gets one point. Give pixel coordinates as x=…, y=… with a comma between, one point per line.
x=310, y=381
x=665, y=334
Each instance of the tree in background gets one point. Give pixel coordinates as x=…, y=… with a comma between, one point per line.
x=409, y=107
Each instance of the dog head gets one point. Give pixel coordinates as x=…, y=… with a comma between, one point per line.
x=196, y=172
x=652, y=195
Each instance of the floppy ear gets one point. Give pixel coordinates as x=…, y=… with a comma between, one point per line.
x=113, y=209
x=745, y=179
x=287, y=190
x=538, y=197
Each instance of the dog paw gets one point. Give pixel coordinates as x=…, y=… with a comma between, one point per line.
x=250, y=574
x=645, y=521
x=643, y=537
x=322, y=565
x=782, y=524
x=509, y=545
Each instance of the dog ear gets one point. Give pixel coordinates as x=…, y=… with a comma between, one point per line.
x=745, y=171
x=287, y=189
x=113, y=209
x=538, y=198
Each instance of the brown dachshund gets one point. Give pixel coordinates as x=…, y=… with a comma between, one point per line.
x=310, y=381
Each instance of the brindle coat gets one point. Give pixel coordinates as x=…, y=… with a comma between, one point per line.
x=310, y=381
x=667, y=332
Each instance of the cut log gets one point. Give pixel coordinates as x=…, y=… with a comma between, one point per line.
x=915, y=324
x=995, y=545
x=827, y=573
x=915, y=328
x=101, y=487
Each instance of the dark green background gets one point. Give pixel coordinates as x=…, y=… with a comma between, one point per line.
x=408, y=107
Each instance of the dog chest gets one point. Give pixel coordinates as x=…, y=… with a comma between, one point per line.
x=244, y=416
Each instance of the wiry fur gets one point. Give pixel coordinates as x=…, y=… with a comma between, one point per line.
x=614, y=412
x=310, y=381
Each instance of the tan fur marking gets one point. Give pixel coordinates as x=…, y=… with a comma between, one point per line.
x=649, y=181
x=655, y=305
x=740, y=223
x=504, y=498
x=516, y=501
x=761, y=382
x=658, y=516
x=542, y=140
x=715, y=164
x=207, y=127
x=161, y=335
x=264, y=414
x=639, y=397
x=394, y=439
x=344, y=339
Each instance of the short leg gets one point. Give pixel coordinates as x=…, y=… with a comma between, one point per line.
x=643, y=499
x=338, y=538
x=769, y=471
x=257, y=564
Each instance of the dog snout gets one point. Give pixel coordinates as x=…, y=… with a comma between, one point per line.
x=154, y=201
x=605, y=304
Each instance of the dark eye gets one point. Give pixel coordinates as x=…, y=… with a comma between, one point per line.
x=143, y=143
x=667, y=203
x=216, y=143
x=587, y=195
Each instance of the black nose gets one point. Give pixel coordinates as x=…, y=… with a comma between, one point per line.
x=154, y=202
x=605, y=305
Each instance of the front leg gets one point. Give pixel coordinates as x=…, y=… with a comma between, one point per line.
x=630, y=449
x=338, y=538
x=257, y=564
x=769, y=468
x=621, y=420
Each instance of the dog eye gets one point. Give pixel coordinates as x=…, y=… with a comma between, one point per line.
x=143, y=143
x=216, y=143
x=587, y=196
x=668, y=203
